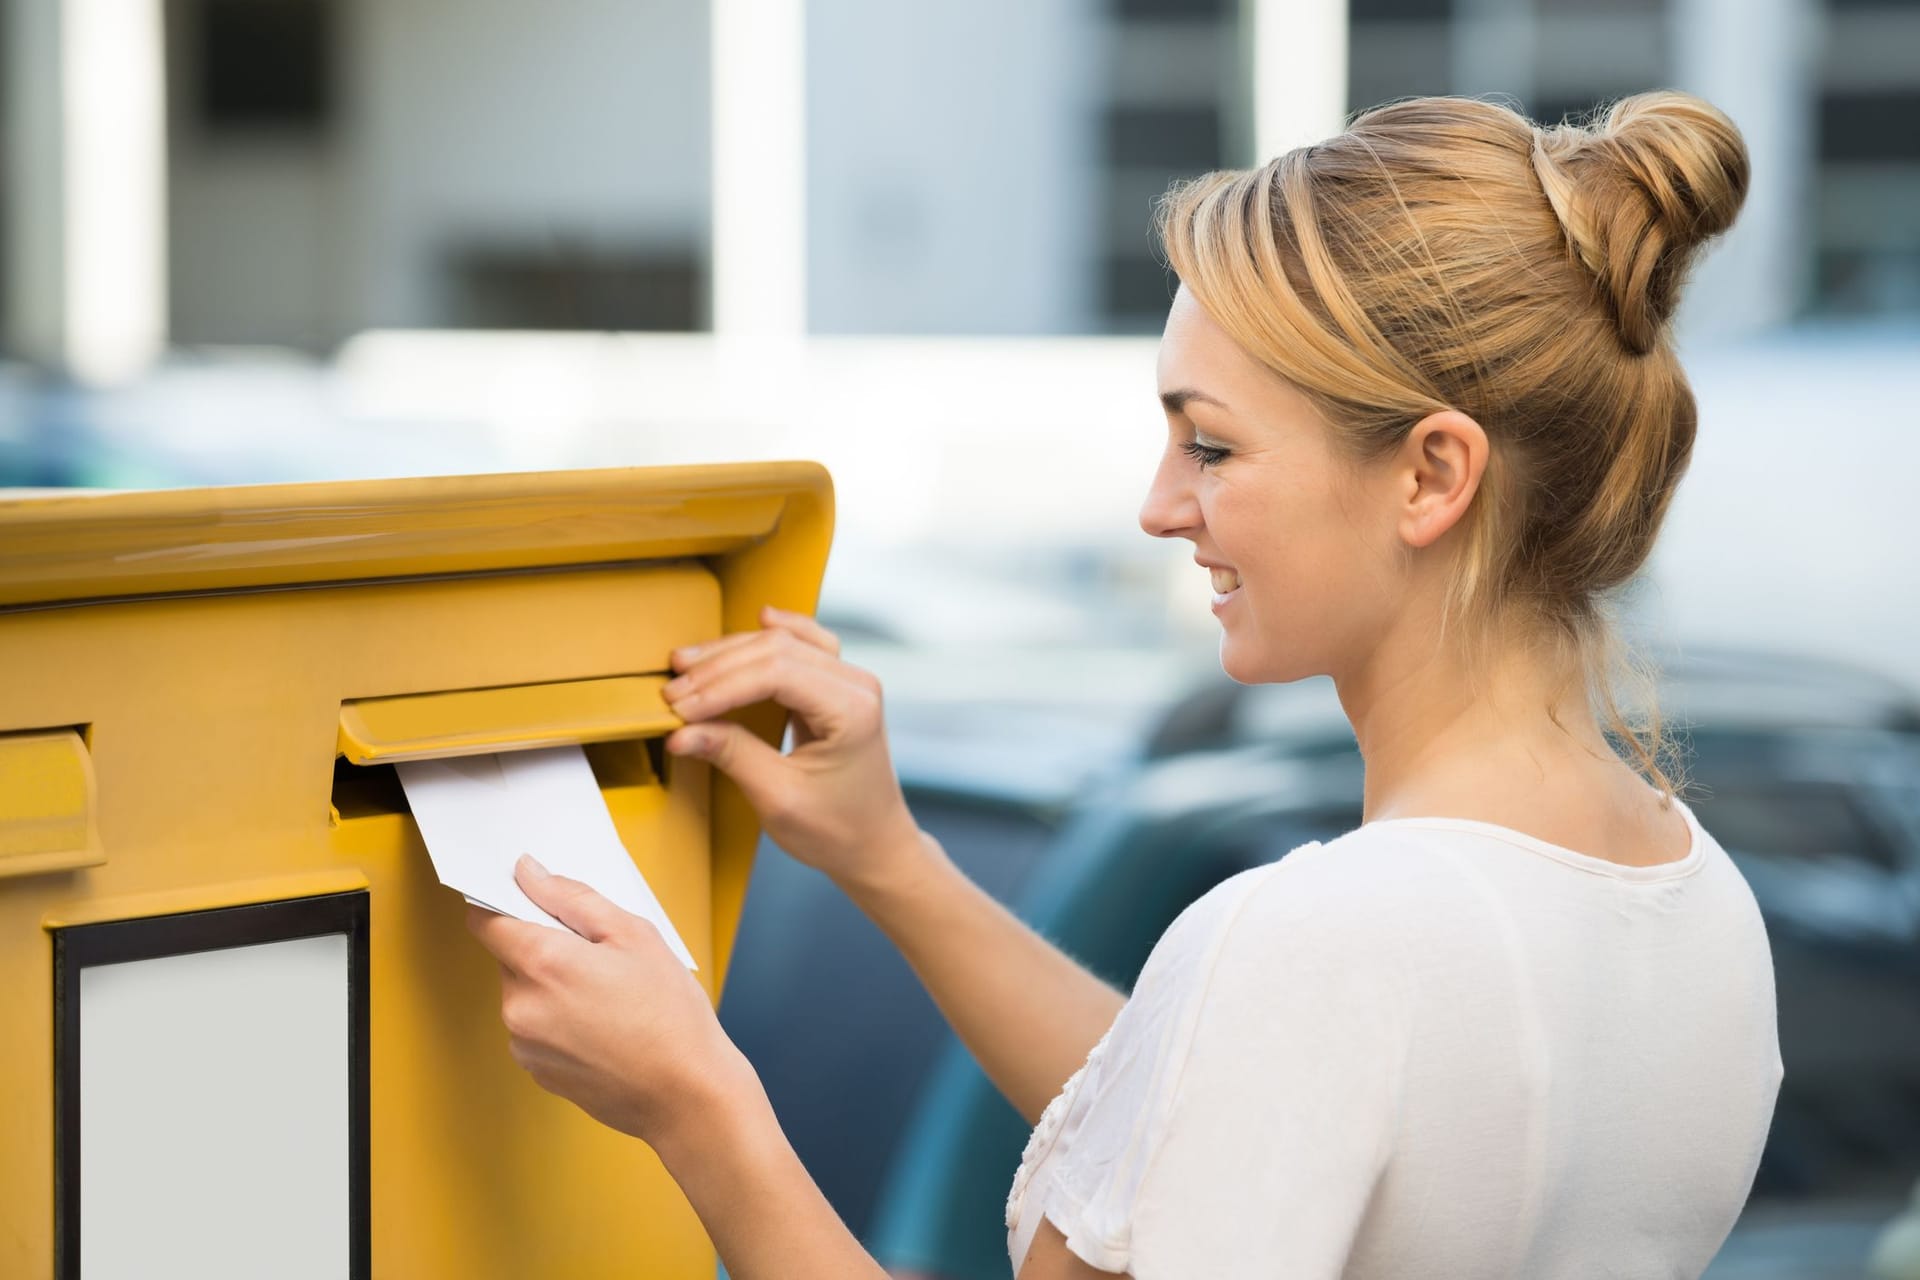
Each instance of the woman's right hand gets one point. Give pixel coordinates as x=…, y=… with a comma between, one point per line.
x=834, y=801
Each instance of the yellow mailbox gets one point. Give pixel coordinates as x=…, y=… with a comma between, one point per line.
x=243, y=1030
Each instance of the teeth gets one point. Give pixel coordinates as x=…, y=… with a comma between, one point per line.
x=1225, y=580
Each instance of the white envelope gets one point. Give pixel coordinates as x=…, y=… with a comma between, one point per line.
x=478, y=814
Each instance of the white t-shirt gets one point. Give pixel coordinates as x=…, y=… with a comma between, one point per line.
x=1432, y=1047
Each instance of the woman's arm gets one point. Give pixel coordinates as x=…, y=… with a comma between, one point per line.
x=1027, y=1011
x=766, y=1216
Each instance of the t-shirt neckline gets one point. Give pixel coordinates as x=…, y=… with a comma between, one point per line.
x=1686, y=865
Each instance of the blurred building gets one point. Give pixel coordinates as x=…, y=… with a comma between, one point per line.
x=322, y=167
x=333, y=165
x=485, y=235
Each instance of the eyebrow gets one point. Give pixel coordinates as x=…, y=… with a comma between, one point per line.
x=1176, y=401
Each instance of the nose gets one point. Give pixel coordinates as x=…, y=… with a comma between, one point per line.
x=1170, y=509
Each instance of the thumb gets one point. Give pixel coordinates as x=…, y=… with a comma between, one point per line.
x=578, y=906
x=733, y=749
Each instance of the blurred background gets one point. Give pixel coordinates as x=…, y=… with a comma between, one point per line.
x=264, y=240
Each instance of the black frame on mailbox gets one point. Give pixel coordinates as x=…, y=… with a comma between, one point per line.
x=77, y=947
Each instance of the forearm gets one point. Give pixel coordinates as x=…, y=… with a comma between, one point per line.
x=1027, y=1011
x=761, y=1208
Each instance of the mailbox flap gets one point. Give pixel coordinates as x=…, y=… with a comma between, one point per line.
x=467, y=722
x=49, y=819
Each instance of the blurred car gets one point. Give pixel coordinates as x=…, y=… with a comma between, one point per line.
x=1808, y=773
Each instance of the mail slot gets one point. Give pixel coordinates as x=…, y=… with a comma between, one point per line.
x=241, y=1012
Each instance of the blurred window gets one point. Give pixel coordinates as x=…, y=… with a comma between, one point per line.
x=1178, y=105
x=1400, y=10
x=263, y=65
x=1871, y=126
x=575, y=286
x=1169, y=137
x=1203, y=10
x=1865, y=210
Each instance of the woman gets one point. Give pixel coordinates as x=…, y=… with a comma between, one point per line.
x=1424, y=416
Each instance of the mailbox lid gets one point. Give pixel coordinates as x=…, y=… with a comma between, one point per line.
x=467, y=722
x=49, y=803
x=79, y=545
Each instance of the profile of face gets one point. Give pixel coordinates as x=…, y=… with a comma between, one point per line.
x=1313, y=554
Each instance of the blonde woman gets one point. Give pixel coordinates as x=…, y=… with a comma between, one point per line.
x=1423, y=417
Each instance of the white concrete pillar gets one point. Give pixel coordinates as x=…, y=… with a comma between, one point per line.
x=759, y=168
x=1299, y=72
x=1756, y=60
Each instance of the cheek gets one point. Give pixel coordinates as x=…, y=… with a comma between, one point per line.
x=1285, y=544
x=1310, y=579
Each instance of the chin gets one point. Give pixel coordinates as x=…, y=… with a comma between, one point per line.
x=1244, y=663
x=1252, y=663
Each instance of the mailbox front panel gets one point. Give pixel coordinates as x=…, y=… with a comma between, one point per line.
x=213, y=724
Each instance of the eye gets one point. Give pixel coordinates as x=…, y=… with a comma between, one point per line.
x=1204, y=454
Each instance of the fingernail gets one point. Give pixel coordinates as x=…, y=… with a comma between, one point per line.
x=687, y=743
x=531, y=865
x=686, y=653
x=675, y=687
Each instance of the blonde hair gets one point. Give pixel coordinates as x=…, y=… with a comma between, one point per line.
x=1446, y=253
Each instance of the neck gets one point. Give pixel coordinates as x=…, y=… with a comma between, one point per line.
x=1444, y=728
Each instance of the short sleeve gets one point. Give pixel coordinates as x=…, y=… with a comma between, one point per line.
x=1239, y=1125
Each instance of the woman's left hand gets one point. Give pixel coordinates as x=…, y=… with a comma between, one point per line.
x=607, y=1015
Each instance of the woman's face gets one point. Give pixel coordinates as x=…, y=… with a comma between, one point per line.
x=1300, y=540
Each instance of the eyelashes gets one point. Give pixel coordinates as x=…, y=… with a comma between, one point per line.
x=1205, y=455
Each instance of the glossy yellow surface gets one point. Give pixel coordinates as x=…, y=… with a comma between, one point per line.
x=215, y=652
x=47, y=800
x=470, y=722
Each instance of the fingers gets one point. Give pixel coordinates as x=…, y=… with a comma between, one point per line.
x=734, y=750
x=803, y=625
x=688, y=655
x=800, y=625
x=512, y=942
x=757, y=646
x=773, y=665
x=575, y=905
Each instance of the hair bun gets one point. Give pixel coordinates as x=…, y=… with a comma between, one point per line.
x=1638, y=192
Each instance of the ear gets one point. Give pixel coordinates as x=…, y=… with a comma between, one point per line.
x=1439, y=464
